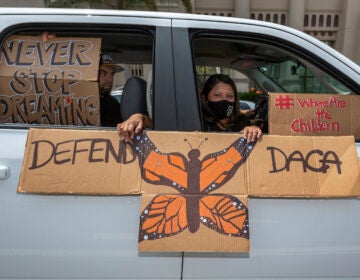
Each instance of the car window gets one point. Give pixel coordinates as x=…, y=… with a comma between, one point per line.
x=295, y=76
x=258, y=68
x=129, y=49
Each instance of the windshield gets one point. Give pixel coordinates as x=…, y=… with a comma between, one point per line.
x=302, y=78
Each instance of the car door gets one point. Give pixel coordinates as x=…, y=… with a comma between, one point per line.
x=71, y=236
x=289, y=238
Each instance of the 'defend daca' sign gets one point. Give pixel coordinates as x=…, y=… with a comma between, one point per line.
x=51, y=82
x=194, y=186
x=314, y=114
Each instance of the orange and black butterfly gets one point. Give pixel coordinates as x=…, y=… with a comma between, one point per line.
x=170, y=214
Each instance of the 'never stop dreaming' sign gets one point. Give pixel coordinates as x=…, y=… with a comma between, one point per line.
x=51, y=82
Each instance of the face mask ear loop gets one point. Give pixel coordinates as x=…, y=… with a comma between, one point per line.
x=232, y=110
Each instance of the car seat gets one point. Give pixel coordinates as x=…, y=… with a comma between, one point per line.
x=133, y=99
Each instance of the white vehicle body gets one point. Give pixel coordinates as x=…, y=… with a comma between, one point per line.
x=95, y=237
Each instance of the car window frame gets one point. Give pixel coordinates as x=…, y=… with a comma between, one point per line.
x=161, y=55
x=285, y=45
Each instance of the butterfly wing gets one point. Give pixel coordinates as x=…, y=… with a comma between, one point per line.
x=164, y=216
x=225, y=214
x=220, y=167
x=160, y=168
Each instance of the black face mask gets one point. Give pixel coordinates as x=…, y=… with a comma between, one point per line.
x=222, y=109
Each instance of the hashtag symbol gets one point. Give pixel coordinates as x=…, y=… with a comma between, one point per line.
x=284, y=102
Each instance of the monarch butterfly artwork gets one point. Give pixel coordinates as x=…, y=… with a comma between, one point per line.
x=170, y=214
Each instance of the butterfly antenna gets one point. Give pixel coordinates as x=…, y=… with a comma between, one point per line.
x=188, y=143
x=202, y=142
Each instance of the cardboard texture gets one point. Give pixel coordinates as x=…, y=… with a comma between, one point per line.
x=51, y=82
x=194, y=185
x=88, y=162
x=219, y=225
x=314, y=114
x=203, y=193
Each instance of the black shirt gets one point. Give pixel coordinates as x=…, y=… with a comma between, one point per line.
x=209, y=124
x=109, y=111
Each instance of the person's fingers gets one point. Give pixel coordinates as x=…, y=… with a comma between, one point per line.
x=250, y=137
x=259, y=133
x=130, y=127
x=247, y=134
x=131, y=133
x=124, y=136
x=44, y=36
x=47, y=36
x=252, y=134
x=120, y=129
x=51, y=36
x=139, y=127
x=126, y=131
x=256, y=134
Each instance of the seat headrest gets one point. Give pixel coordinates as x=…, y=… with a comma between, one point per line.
x=133, y=99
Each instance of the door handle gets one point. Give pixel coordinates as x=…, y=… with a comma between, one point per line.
x=4, y=172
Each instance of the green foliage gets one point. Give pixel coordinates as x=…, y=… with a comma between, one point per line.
x=248, y=95
x=150, y=4
x=187, y=5
x=73, y=4
x=108, y=4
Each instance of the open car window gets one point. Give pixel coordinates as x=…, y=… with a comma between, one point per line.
x=46, y=92
x=259, y=68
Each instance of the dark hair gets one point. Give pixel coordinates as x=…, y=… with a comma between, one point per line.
x=236, y=118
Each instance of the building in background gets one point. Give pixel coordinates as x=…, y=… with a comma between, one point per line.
x=335, y=22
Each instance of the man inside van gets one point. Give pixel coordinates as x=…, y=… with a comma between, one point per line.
x=109, y=106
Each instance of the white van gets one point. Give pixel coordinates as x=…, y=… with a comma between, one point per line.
x=95, y=237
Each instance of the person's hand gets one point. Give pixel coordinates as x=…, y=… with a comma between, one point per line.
x=45, y=36
x=248, y=113
x=130, y=127
x=251, y=133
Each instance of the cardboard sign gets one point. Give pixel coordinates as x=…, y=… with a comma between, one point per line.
x=79, y=162
x=169, y=223
x=51, y=82
x=314, y=114
x=194, y=185
x=193, y=194
x=75, y=161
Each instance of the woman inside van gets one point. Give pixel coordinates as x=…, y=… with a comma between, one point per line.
x=221, y=111
x=221, y=108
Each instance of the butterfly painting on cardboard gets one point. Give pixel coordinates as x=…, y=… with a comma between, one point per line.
x=170, y=214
